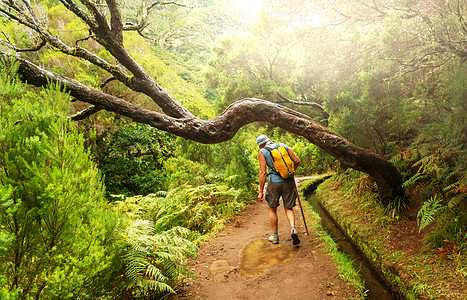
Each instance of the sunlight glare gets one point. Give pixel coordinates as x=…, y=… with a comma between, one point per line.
x=254, y=6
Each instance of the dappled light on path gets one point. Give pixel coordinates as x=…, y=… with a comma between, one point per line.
x=261, y=254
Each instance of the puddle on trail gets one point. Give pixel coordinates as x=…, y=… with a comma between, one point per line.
x=262, y=254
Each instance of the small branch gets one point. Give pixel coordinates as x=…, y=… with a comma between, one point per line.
x=37, y=47
x=140, y=32
x=85, y=113
x=107, y=81
x=312, y=104
x=40, y=43
x=147, y=10
x=22, y=19
x=92, y=36
x=71, y=5
x=461, y=18
x=187, y=4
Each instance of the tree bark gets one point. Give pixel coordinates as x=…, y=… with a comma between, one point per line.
x=225, y=126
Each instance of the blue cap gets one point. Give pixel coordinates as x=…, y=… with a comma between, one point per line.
x=262, y=139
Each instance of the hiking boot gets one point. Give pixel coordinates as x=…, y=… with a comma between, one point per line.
x=294, y=235
x=274, y=239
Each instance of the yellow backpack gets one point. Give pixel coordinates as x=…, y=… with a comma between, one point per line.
x=282, y=161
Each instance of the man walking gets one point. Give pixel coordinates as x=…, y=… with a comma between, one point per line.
x=277, y=187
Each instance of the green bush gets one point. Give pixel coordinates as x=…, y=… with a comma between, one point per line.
x=199, y=208
x=313, y=160
x=132, y=159
x=183, y=171
x=56, y=232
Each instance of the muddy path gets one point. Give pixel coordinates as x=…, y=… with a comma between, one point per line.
x=239, y=263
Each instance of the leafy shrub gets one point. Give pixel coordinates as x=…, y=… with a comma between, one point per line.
x=313, y=160
x=56, y=232
x=186, y=172
x=240, y=170
x=132, y=159
x=226, y=163
x=200, y=209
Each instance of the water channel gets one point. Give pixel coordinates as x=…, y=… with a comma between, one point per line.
x=374, y=283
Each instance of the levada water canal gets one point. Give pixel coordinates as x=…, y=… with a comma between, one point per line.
x=377, y=288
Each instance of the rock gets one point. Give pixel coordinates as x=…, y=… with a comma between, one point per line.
x=220, y=269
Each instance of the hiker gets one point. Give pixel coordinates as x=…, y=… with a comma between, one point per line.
x=277, y=187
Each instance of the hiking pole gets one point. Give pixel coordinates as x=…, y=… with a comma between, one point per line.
x=301, y=208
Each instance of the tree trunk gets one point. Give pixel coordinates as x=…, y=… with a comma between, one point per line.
x=225, y=126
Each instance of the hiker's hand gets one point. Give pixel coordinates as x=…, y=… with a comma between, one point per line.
x=260, y=196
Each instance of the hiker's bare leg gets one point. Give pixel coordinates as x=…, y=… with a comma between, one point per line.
x=273, y=218
x=290, y=216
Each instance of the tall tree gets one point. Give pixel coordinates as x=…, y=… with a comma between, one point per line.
x=106, y=26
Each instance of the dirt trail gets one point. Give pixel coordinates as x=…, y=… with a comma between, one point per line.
x=264, y=271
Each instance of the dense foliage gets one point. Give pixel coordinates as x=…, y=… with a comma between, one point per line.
x=59, y=238
x=57, y=232
x=139, y=148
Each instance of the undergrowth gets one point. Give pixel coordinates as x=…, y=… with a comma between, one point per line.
x=202, y=209
x=164, y=229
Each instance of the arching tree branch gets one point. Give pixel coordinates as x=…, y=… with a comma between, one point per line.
x=225, y=126
x=106, y=26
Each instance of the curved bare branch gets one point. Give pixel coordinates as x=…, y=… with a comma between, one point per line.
x=84, y=39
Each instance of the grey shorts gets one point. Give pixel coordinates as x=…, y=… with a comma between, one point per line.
x=286, y=189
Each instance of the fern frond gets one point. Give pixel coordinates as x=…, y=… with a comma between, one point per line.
x=161, y=194
x=412, y=180
x=159, y=286
x=426, y=214
x=155, y=273
x=179, y=231
x=154, y=259
x=455, y=201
